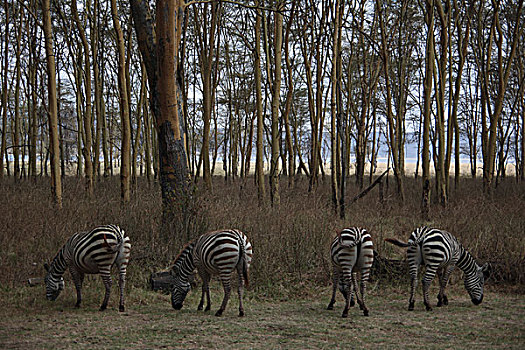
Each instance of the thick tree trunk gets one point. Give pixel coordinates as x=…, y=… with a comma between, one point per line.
x=159, y=48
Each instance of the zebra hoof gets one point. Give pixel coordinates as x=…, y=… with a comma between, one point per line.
x=241, y=313
x=365, y=312
x=352, y=302
x=445, y=300
x=330, y=306
x=199, y=308
x=208, y=308
x=345, y=314
x=103, y=307
x=411, y=306
x=121, y=308
x=428, y=307
x=218, y=313
x=77, y=305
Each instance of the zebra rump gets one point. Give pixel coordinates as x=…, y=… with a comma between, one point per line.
x=93, y=252
x=351, y=251
x=213, y=253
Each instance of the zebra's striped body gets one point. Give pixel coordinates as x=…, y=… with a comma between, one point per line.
x=351, y=251
x=93, y=252
x=440, y=252
x=214, y=253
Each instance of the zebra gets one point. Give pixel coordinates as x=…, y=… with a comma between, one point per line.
x=213, y=253
x=352, y=250
x=440, y=252
x=90, y=252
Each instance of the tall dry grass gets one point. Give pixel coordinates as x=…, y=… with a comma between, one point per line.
x=290, y=241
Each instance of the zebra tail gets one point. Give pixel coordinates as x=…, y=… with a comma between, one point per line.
x=353, y=244
x=243, y=262
x=397, y=242
x=112, y=248
x=245, y=272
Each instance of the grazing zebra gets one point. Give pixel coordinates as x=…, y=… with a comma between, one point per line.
x=90, y=252
x=440, y=252
x=351, y=251
x=213, y=253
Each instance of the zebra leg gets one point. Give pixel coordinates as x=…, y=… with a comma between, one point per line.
x=122, y=284
x=226, y=283
x=122, y=264
x=205, y=291
x=78, y=279
x=106, y=278
x=240, y=290
x=347, y=291
x=335, y=281
x=443, y=275
x=427, y=280
x=365, y=273
x=353, y=289
x=413, y=267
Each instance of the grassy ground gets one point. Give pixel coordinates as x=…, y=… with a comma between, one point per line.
x=290, y=274
x=30, y=321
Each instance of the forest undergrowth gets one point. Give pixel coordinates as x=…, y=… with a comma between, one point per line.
x=290, y=241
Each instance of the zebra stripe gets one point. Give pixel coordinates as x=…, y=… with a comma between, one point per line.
x=214, y=253
x=93, y=252
x=351, y=251
x=440, y=252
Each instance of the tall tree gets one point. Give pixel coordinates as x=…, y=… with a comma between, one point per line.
x=3, y=144
x=429, y=67
x=259, y=165
x=54, y=149
x=159, y=47
x=276, y=93
x=503, y=72
x=88, y=162
x=125, y=165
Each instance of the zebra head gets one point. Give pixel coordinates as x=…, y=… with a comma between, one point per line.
x=474, y=283
x=179, y=291
x=54, y=285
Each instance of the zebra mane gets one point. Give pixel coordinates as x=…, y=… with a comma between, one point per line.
x=58, y=264
x=185, y=255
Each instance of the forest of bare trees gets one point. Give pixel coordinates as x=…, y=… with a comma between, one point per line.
x=179, y=91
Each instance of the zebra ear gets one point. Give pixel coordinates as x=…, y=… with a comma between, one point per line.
x=46, y=266
x=486, y=269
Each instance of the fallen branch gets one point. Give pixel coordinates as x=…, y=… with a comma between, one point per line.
x=369, y=188
x=35, y=281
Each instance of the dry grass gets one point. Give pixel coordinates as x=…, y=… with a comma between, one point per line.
x=298, y=323
x=290, y=261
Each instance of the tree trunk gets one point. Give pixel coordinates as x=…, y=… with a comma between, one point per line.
x=429, y=64
x=160, y=51
x=124, y=108
x=276, y=88
x=56, y=181
x=88, y=163
x=3, y=145
x=503, y=77
x=259, y=164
